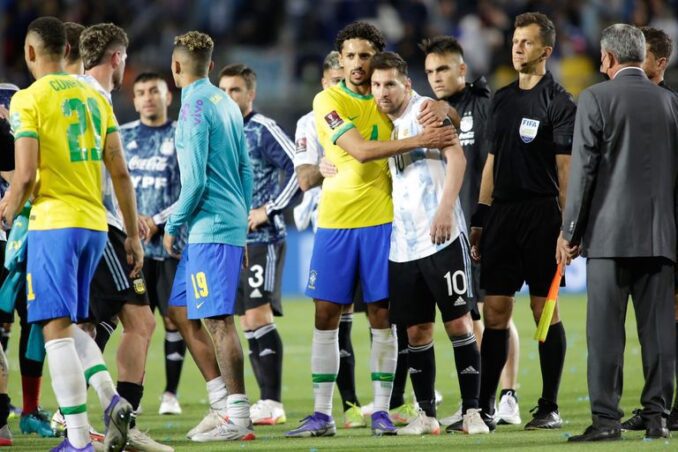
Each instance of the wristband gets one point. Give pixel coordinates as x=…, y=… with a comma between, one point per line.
x=478, y=217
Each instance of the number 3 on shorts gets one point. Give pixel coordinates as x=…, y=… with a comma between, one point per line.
x=199, y=281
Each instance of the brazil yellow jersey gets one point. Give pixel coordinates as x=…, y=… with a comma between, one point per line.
x=360, y=194
x=70, y=120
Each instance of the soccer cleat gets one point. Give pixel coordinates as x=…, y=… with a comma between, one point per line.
x=116, y=420
x=508, y=411
x=317, y=424
x=634, y=423
x=66, y=446
x=226, y=431
x=382, y=425
x=353, y=417
x=544, y=418
x=58, y=424
x=5, y=436
x=141, y=442
x=14, y=411
x=474, y=424
x=420, y=425
x=169, y=404
x=454, y=419
x=403, y=415
x=267, y=412
x=95, y=436
x=367, y=410
x=36, y=422
x=212, y=420
x=672, y=421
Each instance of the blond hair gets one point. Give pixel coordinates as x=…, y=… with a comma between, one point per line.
x=198, y=47
x=97, y=40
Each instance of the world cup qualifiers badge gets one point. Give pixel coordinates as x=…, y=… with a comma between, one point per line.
x=333, y=119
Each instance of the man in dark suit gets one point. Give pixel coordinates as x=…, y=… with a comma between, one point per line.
x=621, y=215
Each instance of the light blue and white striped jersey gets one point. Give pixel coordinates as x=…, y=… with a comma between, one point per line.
x=307, y=152
x=418, y=180
x=113, y=216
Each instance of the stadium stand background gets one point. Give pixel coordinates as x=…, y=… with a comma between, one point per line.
x=285, y=42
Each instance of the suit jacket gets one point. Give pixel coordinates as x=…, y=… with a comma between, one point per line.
x=621, y=196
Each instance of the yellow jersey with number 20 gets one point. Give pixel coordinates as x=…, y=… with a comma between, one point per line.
x=360, y=194
x=70, y=120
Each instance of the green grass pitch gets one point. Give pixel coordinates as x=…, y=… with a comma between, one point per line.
x=296, y=330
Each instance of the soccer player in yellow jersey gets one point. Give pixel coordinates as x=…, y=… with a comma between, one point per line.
x=64, y=130
x=354, y=226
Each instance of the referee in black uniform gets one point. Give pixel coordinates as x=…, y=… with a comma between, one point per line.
x=519, y=211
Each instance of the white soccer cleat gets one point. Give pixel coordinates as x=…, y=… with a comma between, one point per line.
x=212, y=420
x=421, y=425
x=508, y=411
x=227, y=431
x=267, y=412
x=449, y=420
x=58, y=424
x=141, y=442
x=367, y=410
x=169, y=404
x=473, y=422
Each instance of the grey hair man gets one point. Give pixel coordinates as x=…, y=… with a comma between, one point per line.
x=622, y=218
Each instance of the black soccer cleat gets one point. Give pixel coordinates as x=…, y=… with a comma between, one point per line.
x=672, y=422
x=544, y=417
x=634, y=423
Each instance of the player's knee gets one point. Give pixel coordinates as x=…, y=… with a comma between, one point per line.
x=327, y=315
x=421, y=334
x=459, y=326
x=258, y=317
x=496, y=315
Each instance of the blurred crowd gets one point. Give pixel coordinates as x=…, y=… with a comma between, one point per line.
x=286, y=40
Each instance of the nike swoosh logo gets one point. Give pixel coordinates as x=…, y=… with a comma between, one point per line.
x=352, y=118
x=199, y=305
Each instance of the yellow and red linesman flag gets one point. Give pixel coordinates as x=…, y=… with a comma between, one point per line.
x=549, y=306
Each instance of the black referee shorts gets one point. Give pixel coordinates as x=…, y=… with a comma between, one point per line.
x=518, y=245
x=112, y=287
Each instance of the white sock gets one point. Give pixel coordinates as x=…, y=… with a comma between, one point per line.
x=217, y=394
x=324, y=368
x=238, y=409
x=383, y=362
x=96, y=373
x=69, y=387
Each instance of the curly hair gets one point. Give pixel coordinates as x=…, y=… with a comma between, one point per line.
x=361, y=30
x=52, y=34
x=199, y=47
x=99, y=39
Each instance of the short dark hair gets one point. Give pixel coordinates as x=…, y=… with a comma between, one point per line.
x=51, y=32
x=361, y=30
x=441, y=45
x=98, y=39
x=389, y=60
x=199, y=47
x=240, y=70
x=147, y=77
x=73, y=32
x=659, y=43
x=547, y=31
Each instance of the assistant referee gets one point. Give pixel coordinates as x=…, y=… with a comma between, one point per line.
x=521, y=197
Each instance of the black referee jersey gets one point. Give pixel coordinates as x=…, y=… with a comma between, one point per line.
x=528, y=128
x=473, y=106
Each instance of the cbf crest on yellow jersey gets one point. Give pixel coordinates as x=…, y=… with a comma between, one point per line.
x=70, y=120
x=360, y=194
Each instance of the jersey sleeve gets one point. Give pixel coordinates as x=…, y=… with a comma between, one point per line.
x=562, y=112
x=23, y=116
x=307, y=149
x=111, y=121
x=193, y=170
x=279, y=151
x=330, y=116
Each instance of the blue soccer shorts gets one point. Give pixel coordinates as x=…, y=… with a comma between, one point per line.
x=60, y=266
x=206, y=280
x=341, y=257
